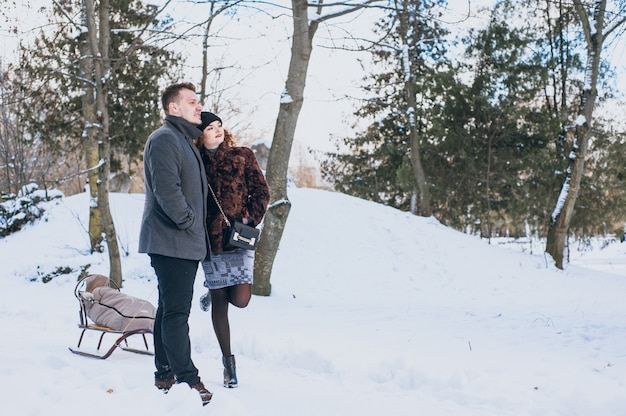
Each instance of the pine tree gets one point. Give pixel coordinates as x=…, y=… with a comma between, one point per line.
x=53, y=88
x=411, y=52
x=485, y=143
x=81, y=72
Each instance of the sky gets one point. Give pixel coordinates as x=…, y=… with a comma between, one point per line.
x=335, y=76
x=373, y=311
x=260, y=47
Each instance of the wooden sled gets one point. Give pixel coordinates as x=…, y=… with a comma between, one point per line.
x=86, y=324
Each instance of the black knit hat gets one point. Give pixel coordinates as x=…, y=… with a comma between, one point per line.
x=207, y=118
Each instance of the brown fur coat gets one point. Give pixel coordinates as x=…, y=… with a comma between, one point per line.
x=238, y=182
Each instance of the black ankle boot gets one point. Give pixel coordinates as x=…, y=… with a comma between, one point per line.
x=230, y=372
x=205, y=301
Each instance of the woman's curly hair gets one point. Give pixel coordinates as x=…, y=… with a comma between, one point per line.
x=229, y=138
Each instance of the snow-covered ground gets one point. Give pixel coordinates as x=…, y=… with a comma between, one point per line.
x=373, y=312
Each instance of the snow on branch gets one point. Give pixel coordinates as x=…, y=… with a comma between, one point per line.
x=279, y=203
x=285, y=98
x=561, y=201
x=411, y=113
x=405, y=62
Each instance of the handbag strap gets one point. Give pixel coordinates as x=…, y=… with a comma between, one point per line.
x=218, y=205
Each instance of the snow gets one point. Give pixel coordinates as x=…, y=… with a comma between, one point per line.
x=373, y=311
x=561, y=201
x=285, y=98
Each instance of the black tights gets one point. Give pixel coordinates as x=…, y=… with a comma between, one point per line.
x=239, y=296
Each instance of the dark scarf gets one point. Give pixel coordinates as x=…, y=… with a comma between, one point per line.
x=190, y=131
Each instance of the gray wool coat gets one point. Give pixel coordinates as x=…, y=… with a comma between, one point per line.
x=175, y=209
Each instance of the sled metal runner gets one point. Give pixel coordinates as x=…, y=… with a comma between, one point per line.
x=117, y=344
x=120, y=342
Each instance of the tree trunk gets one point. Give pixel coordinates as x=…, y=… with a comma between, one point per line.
x=91, y=148
x=99, y=41
x=564, y=211
x=424, y=208
x=204, y=93
x=291, y=102
x=278, y=160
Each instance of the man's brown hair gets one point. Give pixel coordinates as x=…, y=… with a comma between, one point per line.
x=170, y=95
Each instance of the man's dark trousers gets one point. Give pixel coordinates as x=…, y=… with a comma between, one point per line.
x=172, y=347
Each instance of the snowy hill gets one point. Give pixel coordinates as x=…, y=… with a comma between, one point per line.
x=373, y=312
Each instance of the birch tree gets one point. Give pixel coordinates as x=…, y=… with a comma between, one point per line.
x=306, y=18
x=96, y=117
x=596, y=27
x=215, y=10
x=386, y=163
x=93, y=88
x=403, y=12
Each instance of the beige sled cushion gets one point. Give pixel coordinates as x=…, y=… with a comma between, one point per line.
x=111, y=308
x=96, y=280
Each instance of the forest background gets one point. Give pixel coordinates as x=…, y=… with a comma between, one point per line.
x=469, y=112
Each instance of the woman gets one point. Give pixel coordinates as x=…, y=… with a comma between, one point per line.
x=241, y=190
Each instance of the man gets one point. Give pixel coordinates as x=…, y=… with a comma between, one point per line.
x=173, y=232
